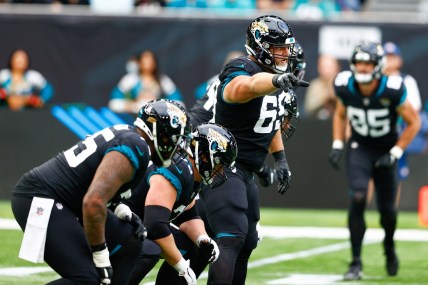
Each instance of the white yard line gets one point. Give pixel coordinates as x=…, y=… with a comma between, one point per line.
x=371, y=236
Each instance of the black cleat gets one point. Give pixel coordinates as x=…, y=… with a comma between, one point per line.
x=355, y=271
x=392, y=264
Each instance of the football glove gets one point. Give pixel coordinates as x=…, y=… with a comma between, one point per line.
x=140, y=231
x=266, y=175
x=100, y=256
x=287, y=82
x=282, y=171
x=389, y=159
x=335, y=153
x=184, y=270
x=208, y=248
x=123, y=212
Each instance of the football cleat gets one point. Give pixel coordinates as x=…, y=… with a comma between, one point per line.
x=392, y=264
x=355, y=271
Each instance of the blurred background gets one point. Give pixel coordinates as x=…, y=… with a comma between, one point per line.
x=84, y=48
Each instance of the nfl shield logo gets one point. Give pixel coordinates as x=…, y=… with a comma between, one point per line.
x=39, y=211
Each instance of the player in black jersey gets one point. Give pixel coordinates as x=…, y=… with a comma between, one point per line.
x=72, y=190
x=166, y=195
x=202, y=110
x=371, y=102
x=249, y=102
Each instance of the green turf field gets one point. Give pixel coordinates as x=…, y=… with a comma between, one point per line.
x=283, y=260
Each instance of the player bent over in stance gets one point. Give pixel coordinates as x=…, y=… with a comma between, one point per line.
x=167, y=195
x=65, y=199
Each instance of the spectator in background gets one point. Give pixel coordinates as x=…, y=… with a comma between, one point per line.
x=22, y=87
x=274, y=4
x=320, y=100
x=315, y=9
x=393, y=65
x=135, y=89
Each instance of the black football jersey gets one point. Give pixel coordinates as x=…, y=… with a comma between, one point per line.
x=373, y=118
x=179, y=174
x=67, y=176
x=202, y=111
x=253, y=123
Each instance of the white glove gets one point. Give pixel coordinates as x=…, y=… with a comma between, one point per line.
x=123, y=212
x=184, y=270
x=208, y=248
x=259, y=232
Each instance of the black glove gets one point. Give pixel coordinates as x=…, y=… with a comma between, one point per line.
x=267, y=175
x=208, y=248
x=140, y=231
x=390, y=159
x=387, y=160
x=106, y=274
x=287, y=82
x=334, y=157
x=282, y=171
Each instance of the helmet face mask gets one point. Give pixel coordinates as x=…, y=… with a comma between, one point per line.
x=291, y=116
x=214, y=148
x=266, y=36
x=165, y=123
x=298, y=65
x=370, y=53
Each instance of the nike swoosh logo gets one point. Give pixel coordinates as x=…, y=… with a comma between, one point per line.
x=140, y=152
x=240, y=66
x=179, y=171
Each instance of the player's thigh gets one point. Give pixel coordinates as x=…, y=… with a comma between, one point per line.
x=385, y=180
x=67, y=250
x=359, y=166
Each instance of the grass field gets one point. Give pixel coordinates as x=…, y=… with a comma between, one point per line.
x=282, y=260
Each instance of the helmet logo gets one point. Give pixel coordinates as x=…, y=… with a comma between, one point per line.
x=217, y=140
x=177, y=116
x=259, y=28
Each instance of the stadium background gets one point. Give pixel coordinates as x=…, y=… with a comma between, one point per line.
x=84, y=55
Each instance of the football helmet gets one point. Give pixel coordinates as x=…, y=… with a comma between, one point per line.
x=368, y=52
x=266, y=32
x=166, y=124
x=298, y=65
x=213, y=147
x=291, y=115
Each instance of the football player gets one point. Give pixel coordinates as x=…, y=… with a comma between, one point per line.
x=249, y=102
x=65, y=199
x=371, y=102
x=166, y=195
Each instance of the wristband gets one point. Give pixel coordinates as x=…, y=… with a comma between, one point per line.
x=99, y=247
x=101, y=258
x=181, y=265
x=337, y=144
x=396, y=152
x=279, y=155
